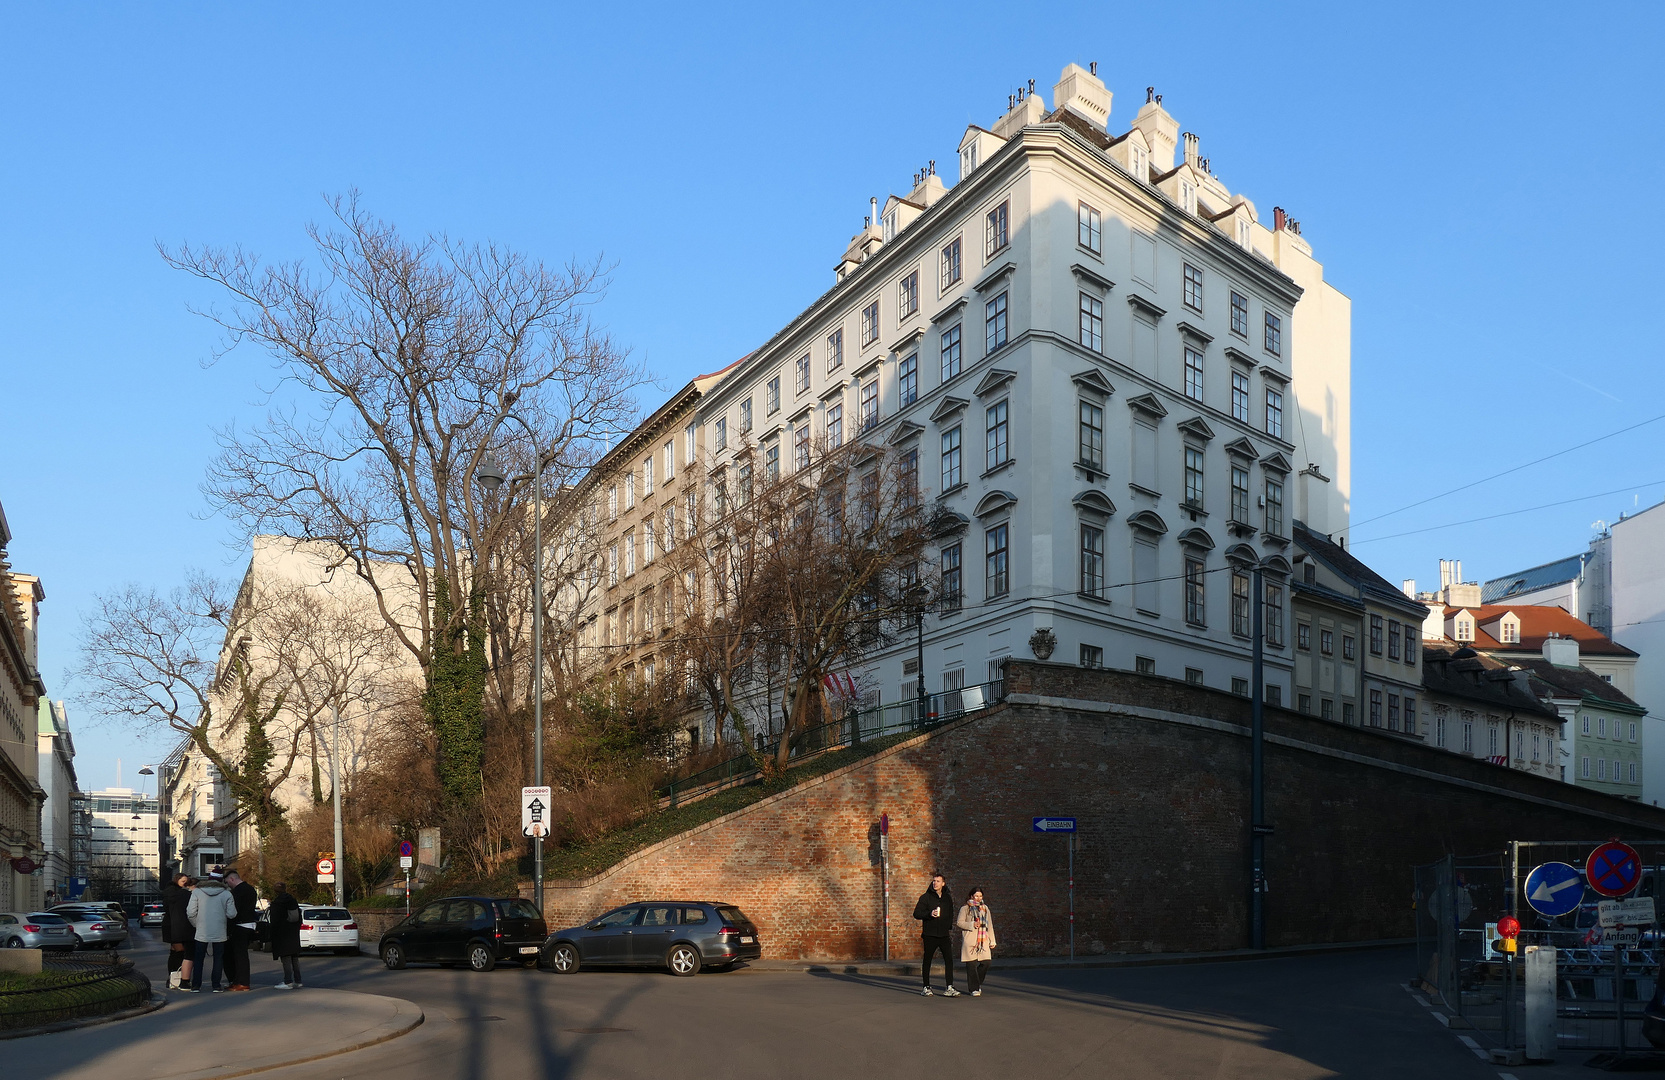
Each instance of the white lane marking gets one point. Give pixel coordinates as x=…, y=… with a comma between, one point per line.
x=1472, y=1045
x=1442, y=1018
x=1507, y=1076
x=1424, y=1002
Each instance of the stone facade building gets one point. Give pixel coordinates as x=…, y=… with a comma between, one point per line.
x=21, y=691
x=58, y=816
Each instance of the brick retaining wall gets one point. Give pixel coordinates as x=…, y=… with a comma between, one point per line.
x=1157, y=773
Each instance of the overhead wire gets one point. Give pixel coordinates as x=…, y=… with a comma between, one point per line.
x=1510, y=513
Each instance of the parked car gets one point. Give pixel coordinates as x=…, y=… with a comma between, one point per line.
x=478, y=931
x=35, y=930
x=109, y=911
x=682, y=936
x=152, y=915
x=329, y=928
x=94, y=927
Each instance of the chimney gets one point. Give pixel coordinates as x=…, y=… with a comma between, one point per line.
x=1080, y=91
x=1561, y=651
x=1408, y=587
x=1278, y=219
x=1191, y=157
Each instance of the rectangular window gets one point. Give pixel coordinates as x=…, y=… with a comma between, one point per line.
x=1193, y=374
x=772, y=395
x=1240, y=395
x=950, y=352
x=1092, y=561
x=800, y=448
x=1092, y=322
x=951, y=262
x=802, y=373
x=1194, y=676
x=1326, y=709
x=907, y=381
x=835, y=424
x=629, y=490
x=1274, y=615
x=1584, y=767
x=951, y=459
x=1144, y=665
x=995, y=429
x=1410, y=716
x=1274, y=695
x=835, y=349
x=1274, y=413
x=1410, y=643
x=745, y=416
x=1196, y=611
x=952, y=586
x=1274, y=334
x=771, y=463
x=670, y=526
x=1393, y=639
x=1240, y=687
x=650, y=542
x=1089, y=231
x=1240, y=494
x=1193, y=288
x=670, y=460
x=1375, y=635
x=1092, y=656
x=1601, y=768
x=722, y=433
x=1239, y=314
x=1274, y=507
x=870, y=324
x=994, y=231
x=1393, y=712
x=1092, y=436
x=870, y=404
x=629, y=553
x=908, y=473
x=1375, y=708
x=994, y=323
x=1326, y=642
x=1303, y=703
x=613, y=503
x=907, y=295
x=1240, y=595
x=1303, y=636
x=1193, y=477
x=688, y=444
x=995, y=570
x=1633, y=731
x=1348, y=650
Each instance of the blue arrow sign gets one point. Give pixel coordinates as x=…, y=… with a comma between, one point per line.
x=1054, y=824
x=1555, y=888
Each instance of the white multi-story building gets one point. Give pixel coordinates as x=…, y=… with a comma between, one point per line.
x=57, y=816
x=124, y=857
x=1122, y=382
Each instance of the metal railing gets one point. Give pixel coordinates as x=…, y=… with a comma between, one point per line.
x=75, y=985
x=854, y=727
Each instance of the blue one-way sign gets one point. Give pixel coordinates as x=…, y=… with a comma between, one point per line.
x=1554, y=888
x=1054, y=824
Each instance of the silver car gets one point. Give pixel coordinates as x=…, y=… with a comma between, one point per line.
x=35, y=930
x=94, y=927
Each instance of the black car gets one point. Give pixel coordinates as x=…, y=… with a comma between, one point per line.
x=682, y=936
x=474, y=930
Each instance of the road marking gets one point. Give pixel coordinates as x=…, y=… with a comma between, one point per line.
x=1442, y=1018
x=1507, y=1076
x=1472, y=1045
x=1424, y=1002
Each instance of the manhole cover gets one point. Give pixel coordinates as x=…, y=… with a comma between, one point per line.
x=595, y=1031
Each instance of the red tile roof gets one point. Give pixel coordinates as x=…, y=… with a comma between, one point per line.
x=1537, y=622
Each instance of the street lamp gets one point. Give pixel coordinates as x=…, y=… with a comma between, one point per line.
x=491, y=477
x=920, y=596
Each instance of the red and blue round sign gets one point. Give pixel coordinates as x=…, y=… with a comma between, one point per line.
x=1613, y=869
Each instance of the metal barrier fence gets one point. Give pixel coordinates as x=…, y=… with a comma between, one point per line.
x=75, y=985
x=1600, y=989
x=854, y=727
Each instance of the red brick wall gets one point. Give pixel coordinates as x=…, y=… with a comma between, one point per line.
x=1161, y=860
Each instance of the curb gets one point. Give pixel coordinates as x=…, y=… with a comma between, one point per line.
x=1043, y=963
x=156, y=1002
x=406, y=1018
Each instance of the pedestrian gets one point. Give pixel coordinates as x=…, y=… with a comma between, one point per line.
x=285, y=913
x=976, y=941
x=935, y=912
x=241, y=931
x=211, y=910
x=176, y=928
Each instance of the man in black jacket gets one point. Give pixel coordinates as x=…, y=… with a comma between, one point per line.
x=241, y=930
x=935, y=912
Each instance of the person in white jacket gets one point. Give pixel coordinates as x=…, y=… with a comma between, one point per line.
x=210, y=910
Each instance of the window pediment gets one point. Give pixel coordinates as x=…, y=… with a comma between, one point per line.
x=1148, y=521
x=904, y=431
x=948, y=522
x=1146, y=305
x=1198, y=539
x=1093, y=381
x=1242, y=448
x=1092, y=277
x=1148, y=404
x=1279, y=377
x=1276, y=565
x=1191, y=331
x=994, y=502
x=1275, y=462
x=1197, y=428
x=1242, y=555
x=995, y=276
x=947, y=408
x=993, y=380
x=1093, y=501
x=906, y=340
x=1238, y=356
x=949, y=312
x=835, y=389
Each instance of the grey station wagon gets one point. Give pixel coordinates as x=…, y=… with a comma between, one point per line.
x=681, y=936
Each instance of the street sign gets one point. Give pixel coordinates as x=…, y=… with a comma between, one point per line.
x=534, y=811
x=405, y=861
x=1619, y=913
x=326, y=866
x=1622, y=935
x=1554, y=889
x=1054, y=824
x=406, y=851
x=1613, y=869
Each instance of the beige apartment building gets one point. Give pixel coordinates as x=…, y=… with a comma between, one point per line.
x=22, y=856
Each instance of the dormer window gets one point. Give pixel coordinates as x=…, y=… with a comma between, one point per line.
x=1509, y=630
x=1141, y=171
x=1243, y=232
x=969, y=159
x=890, y=227
x=1188, y=196
x=1465, y=628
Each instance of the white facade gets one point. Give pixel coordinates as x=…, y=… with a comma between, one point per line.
x=1638, y=605
x=1107, y=344
x=191, y=791
x=124, y=849
x=57, y=777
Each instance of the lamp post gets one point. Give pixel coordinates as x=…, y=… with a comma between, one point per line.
x=335, y=788
x=491, y=477
x=922, y=696
x=148, y=771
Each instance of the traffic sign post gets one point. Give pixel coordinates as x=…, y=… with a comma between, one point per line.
x=326, y=871
x=1065, y=825
x=884, y=874
x=1554, y=889
x=1613, y=869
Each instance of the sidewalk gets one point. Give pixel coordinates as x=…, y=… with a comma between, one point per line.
x=198, y=1036
x=1022, y=963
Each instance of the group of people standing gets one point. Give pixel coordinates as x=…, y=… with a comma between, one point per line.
x=214, y=919
x=938, y=919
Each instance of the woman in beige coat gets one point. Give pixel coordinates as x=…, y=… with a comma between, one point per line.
x=976, y=940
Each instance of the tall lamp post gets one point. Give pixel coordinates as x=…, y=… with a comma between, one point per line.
x=920, y=595
x=491, y=477
x=149, y=771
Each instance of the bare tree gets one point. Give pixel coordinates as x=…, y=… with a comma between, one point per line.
x=405, y=357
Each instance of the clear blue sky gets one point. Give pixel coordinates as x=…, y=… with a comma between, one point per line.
x=1480, y=180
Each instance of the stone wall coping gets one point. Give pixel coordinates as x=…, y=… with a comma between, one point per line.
x=1145, y=713
x=762, y=804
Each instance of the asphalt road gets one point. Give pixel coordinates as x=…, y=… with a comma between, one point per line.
x=1319, y=1016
